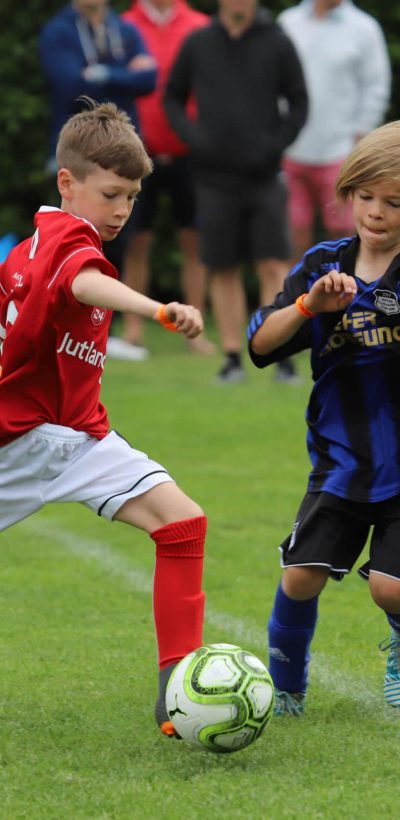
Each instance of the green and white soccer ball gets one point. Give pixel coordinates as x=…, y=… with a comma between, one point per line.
x=220, y=698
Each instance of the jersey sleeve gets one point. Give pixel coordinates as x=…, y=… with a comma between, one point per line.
x=296, y=283
x=75, y=254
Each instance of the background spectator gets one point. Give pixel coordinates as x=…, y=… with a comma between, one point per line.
x=87, y=49
x=240, y=68
x=164, y=24
x=346, y=65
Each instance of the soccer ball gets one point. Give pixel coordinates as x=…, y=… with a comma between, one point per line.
x=220, y=698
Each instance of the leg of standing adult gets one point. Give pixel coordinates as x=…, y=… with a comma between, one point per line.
x=136, y=274
x=270, y=249
x=230, y=313
x=302, y=239
x=271, y=275
x=220, y=233
x=194, y=285
x=136, y=262
x=124, y=258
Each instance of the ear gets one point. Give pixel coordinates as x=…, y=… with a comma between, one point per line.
x=65, y=182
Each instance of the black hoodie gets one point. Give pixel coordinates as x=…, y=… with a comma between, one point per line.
x=250, y=94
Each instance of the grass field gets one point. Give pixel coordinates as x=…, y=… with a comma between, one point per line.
x=78, y=671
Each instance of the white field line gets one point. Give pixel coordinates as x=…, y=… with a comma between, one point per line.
x=238, y=630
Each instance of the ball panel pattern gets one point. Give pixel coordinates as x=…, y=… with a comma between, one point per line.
x=220, y=698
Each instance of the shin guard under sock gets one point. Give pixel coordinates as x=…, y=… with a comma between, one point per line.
x=178, y=600
x=290, y=631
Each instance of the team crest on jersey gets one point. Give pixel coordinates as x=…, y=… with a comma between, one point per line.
x=98, y=315
x=386, y=301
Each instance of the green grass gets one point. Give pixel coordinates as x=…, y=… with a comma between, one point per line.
x=77, y=651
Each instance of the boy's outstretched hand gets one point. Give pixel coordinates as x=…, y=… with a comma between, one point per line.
x=331, y=292
x=186, y=318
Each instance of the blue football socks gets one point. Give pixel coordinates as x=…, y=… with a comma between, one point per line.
x=290, y=631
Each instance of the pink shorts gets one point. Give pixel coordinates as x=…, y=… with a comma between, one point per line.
x=311, y=190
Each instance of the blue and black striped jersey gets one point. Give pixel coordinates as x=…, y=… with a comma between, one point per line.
x=353, y=414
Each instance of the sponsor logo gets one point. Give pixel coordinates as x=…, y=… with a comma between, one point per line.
x=386, y=301
x=19, y=280
x=177, y=710
x=293, y=536
x=361, y=328
x=85, y=351
x=98, y=315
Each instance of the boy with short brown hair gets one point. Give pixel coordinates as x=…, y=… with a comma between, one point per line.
x=57, y=293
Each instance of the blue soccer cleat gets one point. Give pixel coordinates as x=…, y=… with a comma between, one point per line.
x=289, y=703
x=391, y=684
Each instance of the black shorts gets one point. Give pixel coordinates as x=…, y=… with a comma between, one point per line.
x=173, y=179
x=332, y=532
x=247, y=223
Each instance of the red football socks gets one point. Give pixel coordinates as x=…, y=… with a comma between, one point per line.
x=178, y=598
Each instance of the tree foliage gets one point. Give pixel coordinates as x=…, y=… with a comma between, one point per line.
x=24, y=111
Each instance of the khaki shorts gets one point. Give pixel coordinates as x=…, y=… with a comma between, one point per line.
x=56, y=464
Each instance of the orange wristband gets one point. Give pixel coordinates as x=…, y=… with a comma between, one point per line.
x=302, y=308
x=161, y=317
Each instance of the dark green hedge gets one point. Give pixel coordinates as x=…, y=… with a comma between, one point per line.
x=24, y=111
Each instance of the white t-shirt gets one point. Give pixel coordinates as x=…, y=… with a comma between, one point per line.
x=347, y=71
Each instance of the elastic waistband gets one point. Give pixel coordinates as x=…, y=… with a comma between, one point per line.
x=59, y=432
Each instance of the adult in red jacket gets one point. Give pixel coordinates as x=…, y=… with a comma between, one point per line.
x=164, y=24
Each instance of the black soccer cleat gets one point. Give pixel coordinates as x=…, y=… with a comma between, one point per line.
x=162, y=717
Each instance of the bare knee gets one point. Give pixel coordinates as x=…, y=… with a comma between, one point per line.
x=385, y=592
x=161, y=505
x=192, y=509
x=302, y=583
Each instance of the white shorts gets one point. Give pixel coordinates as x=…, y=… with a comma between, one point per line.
x=53, y=463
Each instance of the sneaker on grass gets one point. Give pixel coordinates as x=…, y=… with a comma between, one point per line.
x=391, y=684
x=286, y=373
x=125, y=351
x=232, y=372
x=289, y=703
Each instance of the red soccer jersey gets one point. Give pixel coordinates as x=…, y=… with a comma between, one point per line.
x=54, y=347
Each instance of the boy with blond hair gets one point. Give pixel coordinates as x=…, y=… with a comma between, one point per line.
x=57, y=294
x=343, y=301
